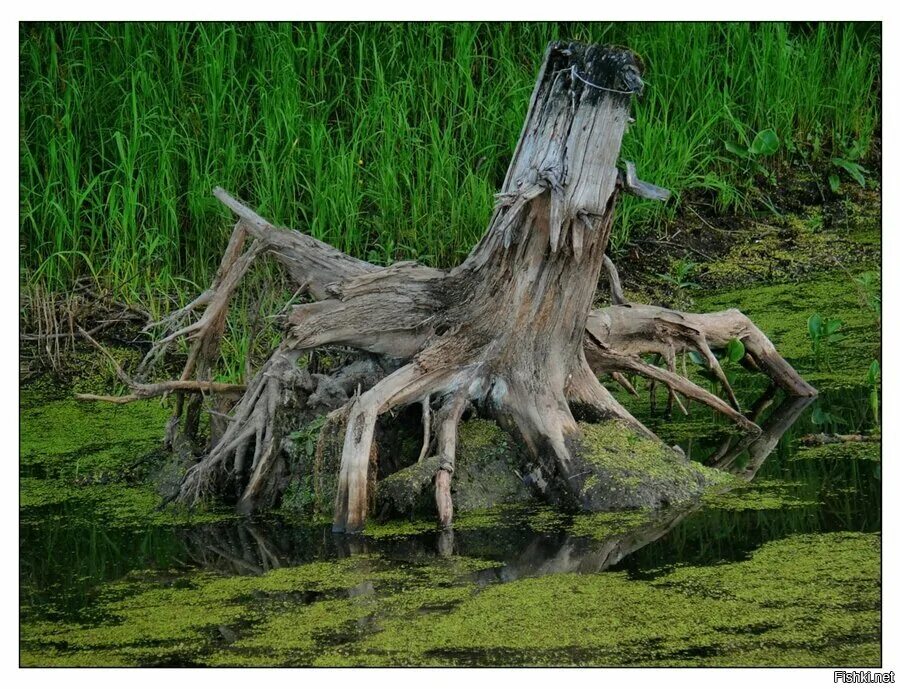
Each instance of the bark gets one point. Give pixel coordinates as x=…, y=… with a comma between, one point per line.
x=509, y=330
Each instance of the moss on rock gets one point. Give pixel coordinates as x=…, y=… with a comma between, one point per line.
x=626, y=471
x=485, y=475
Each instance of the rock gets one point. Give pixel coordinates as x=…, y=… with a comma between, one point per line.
x=627, y=471
x=486, y=475
x=622, y=471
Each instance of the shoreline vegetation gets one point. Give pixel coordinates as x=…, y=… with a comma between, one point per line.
x=388, y=141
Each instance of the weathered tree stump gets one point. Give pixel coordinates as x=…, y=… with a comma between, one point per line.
x=510, y=330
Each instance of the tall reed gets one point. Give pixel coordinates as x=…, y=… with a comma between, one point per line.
x=386, y=140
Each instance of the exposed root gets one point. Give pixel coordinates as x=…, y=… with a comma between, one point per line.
x=448, y=423
x=616, y=295
x=617, y=337
x=426, y=428
x=408, y=384
x=142, y=391
x=509, y=329
x=252, y=429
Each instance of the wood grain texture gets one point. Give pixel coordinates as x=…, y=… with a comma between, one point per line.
x=510, y=330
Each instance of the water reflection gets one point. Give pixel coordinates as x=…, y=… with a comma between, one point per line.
x=248, y=547
x=587, y=555
x=62, y=562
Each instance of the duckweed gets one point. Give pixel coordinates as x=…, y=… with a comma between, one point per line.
x=759, y=495
x=812, y=599
x=850, y=451
x=88, y=441
x=781, y=312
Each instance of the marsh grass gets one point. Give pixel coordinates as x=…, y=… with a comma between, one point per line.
x=385, y=140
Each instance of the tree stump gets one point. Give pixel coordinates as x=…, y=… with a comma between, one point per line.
x=510, y=330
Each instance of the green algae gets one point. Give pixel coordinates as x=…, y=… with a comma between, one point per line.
x=546, y=520
x=843, y=452
x=161, y=618
x=748, y=612
x=115, y=505
x=759, y=495
x=144, y=619
x=795, y=245
x=88, y=441
x=86, y=462
x=604, y=525
x=473, y=519
x=487, y=518
x=398, y=528
x=812, y=599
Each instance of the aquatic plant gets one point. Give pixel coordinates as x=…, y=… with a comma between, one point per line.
x=803, y=600
x=764, y=145
x=849, y=164
x=873, y=379
x=679, y=274
x=823, y=332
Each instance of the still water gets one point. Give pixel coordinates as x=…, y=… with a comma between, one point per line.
x=784, y=570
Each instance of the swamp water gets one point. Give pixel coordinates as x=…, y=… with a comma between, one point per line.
x=783, y=569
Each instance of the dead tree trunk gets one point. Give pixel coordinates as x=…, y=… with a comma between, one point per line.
x=510, y=329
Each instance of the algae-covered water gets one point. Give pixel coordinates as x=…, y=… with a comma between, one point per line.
x=783, y=569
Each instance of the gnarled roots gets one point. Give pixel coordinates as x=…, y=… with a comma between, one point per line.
x=510, y=330
x=375, y=310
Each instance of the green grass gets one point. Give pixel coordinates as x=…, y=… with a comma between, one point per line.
x=386, y=140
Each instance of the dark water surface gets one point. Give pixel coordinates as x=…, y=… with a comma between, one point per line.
x=91, y=581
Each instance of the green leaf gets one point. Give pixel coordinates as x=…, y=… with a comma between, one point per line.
x=874, y=372
x=854, y=151
x=765, y=143
x=834, y=182
x=739, y=151
x=832, y=325
x=818, y=416
x=855, y=170
x=814, y=324
x=735, y=351
x=696, y=358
